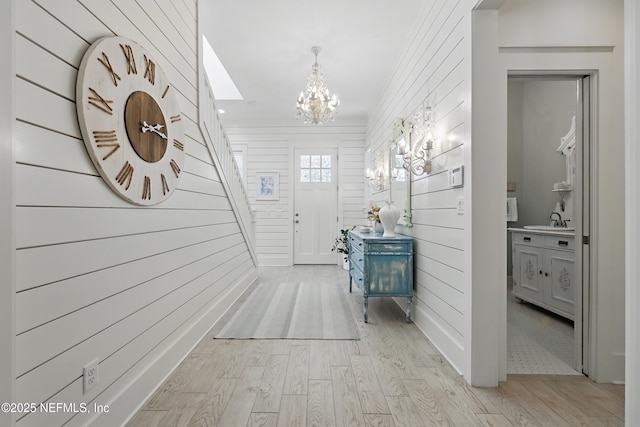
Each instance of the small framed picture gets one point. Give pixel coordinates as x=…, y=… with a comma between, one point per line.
x=267, y=186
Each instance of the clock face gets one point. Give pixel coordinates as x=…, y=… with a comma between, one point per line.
x=130, y=120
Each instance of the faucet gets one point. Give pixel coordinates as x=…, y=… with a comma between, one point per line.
x=557, y=222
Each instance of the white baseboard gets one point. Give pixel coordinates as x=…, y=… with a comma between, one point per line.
x=439, y=338
x=131, y=391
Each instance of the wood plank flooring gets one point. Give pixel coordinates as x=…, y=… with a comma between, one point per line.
x=391, y=377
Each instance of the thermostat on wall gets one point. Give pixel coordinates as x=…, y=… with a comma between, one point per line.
x=456, y=178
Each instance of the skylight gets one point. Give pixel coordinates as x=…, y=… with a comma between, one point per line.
x=221, y=84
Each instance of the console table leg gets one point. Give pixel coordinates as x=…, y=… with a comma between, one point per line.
x=350, y=278
x=366, y=309
x=409, y=299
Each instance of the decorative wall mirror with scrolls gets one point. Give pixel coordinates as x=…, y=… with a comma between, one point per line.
x=399, y=174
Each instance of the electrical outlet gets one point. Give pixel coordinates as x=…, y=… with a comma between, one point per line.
x=90, y=376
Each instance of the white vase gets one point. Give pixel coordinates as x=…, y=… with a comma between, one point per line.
x=389, y=216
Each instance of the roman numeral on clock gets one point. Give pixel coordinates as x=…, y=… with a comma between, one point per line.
x=131, y=61
x=179, y=145
x=165, y=186
x=175, y=118
x=146, y=189
x=125, y=175
x=150, y=71
x=98, y=101
x=105, y=61
x=106, y=138
x=175, y=167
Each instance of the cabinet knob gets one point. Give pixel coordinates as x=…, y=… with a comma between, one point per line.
x=546, y=274
x=540, y=271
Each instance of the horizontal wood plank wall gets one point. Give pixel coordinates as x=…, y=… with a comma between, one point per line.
x=432, y=67
x=269, y=149
x=97, y=277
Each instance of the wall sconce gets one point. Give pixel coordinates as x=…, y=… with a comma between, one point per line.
x=418, y=150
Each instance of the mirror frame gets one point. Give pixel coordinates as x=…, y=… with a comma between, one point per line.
x=401, y=130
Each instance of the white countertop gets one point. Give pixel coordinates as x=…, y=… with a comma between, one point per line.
x=558, y=232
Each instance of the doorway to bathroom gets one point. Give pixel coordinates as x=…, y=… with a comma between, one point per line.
x=549, y=122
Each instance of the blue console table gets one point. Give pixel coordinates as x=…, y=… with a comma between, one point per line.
x=381, y=267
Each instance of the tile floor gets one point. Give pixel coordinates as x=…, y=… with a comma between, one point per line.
x=538, y=341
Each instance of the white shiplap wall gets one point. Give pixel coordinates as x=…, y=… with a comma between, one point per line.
x=7, y=209
x=433, y=67
x=96, y=277
x=270, y=149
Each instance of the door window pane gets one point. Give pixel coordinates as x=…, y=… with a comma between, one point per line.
x=326, y=162
x=305, y=162
x=315, y=168
x=315, y=162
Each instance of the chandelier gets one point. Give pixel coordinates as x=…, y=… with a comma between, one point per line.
x=315, y=104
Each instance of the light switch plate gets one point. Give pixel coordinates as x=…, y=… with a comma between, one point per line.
x=456, y=177
x=460, y=205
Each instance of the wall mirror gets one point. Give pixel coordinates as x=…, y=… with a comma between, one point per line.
x=399, y=175
x=377, y=172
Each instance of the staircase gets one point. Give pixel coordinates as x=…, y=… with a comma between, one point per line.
x=222, y=155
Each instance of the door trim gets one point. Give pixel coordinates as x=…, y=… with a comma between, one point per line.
x=584, y=329
x=294, y=181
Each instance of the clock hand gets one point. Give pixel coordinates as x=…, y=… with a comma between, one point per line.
x=155, y=129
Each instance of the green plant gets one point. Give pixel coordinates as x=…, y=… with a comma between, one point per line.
x=341, y=244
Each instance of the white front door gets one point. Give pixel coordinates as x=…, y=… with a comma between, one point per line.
x=315, y=206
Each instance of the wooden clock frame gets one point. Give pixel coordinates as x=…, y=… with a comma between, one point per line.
x=130, y=120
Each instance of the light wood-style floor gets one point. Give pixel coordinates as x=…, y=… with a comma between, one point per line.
x=392, y=376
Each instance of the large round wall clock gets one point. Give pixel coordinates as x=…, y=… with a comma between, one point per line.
x=130, y=120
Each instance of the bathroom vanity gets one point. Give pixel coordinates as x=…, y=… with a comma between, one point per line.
x=381, y=267
x=543, y=268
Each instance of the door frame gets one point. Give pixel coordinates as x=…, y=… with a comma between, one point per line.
x=585, y=120
x=585, y=176
x=313, y=143
x=491, y=56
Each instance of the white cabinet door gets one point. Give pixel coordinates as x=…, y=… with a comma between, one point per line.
x=529, y=282
x=561, y=288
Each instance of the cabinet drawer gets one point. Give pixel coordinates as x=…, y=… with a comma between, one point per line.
x=356, y=258
x=528, y=239
x=356, y=243
x=560, y=242
x=388, y=247
x=356, y=275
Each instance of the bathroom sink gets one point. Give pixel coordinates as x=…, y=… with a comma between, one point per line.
x=549, y=228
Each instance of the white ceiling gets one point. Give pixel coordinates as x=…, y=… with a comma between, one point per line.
x=265, y=45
